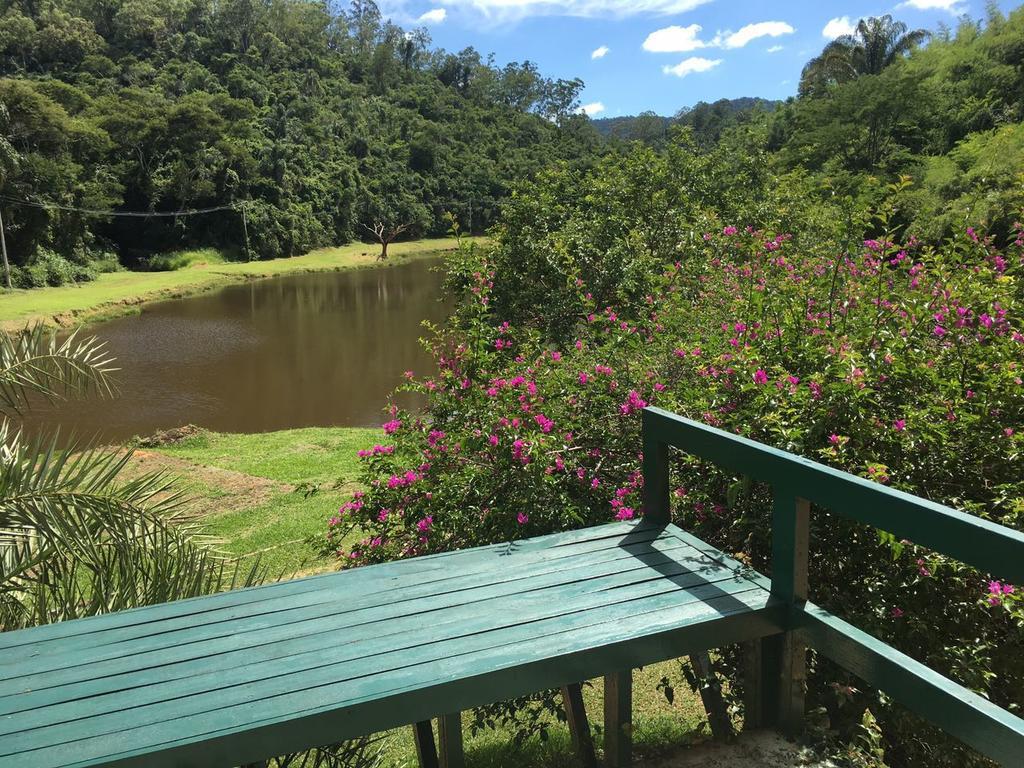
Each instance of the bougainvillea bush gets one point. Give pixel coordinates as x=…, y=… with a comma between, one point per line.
x=897, y=361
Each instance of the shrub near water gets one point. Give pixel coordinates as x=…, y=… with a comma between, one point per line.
x=901, y=364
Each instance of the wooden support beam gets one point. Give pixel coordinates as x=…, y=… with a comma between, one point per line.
x=779, y=680
x=753, y=687
x=657, y=508
x=618, y=719
x=449, y=730
x=426, y=751
x=579, y=726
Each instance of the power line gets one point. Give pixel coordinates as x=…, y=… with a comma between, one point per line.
x=125, y=214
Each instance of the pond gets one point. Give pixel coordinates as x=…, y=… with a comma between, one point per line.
x=319, y=349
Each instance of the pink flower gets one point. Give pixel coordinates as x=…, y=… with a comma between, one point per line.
x=760, y=377
x=556, y=356
x=899, y=425
x=834, y=439
x=424, y=525
x=939, y=331
x=625, y=513
x=633, y=403
x=583, y=377
x=522, y=518
x=392, y=426
x=896, y=612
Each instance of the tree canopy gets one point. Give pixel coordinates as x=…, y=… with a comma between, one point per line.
x=316, y=120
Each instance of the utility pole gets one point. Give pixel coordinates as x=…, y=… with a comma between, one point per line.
x=3, y=250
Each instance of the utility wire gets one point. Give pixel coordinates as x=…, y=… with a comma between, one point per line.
x=127, y=214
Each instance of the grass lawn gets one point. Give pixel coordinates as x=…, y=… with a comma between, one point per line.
x=117, y=293
x=249, y=489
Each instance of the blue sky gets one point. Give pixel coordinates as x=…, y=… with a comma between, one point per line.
x=661, y=55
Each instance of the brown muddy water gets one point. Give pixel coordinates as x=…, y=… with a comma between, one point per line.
x=320, y=349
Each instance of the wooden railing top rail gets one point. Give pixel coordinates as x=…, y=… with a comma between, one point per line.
x=988, y=546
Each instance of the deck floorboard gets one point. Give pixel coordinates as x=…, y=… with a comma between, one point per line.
x=149, y=686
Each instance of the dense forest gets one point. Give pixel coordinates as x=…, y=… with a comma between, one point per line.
x=326, y=126
x=302, y=126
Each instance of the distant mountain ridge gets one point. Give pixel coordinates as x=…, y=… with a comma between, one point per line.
x=707, y=120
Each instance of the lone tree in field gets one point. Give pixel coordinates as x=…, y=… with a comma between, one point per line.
x=392, y=206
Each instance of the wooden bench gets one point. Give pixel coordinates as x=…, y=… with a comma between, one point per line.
x=235, y=678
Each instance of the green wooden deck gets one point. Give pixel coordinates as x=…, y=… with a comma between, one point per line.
x=237, y=677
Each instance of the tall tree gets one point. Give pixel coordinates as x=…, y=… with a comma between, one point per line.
x=876, y=44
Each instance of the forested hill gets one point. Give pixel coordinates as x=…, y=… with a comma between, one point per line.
x=329, y=125
x=708, y=120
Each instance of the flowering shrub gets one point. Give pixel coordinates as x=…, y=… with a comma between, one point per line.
x=898, y=362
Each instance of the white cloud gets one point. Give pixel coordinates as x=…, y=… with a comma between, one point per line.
x=691, y=65
x=752, y=32
x=674, y=39
x=600, y=53
x=953, y=6
x=591, y=109
x=838, y=27
x=513, y=10
x=434, y=16
x=775, y=48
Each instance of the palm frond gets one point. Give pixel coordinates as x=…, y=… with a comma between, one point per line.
x=35, y=361
x=76, y=541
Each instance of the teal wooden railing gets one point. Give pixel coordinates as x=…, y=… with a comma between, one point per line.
x=797, y=483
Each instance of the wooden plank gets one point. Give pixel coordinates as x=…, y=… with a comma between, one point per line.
x=388, y=712
x=241, y=645
x=352, y=609
x=579, y=726
x=990, y=547
x=375, y=584
x=618, y=719
x=295, y=720
x=449, y=730
x=423, y=738
x=330, y=664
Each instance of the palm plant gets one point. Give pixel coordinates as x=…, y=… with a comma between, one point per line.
x=875, y=45
x=76, y=538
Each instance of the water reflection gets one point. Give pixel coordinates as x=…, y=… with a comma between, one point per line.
x=301, y=350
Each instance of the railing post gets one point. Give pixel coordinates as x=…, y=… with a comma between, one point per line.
x=655, y=470
x=618, y=719
x=449, y=731
x=426, y=749
x=777, y=669
x=579, y=726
